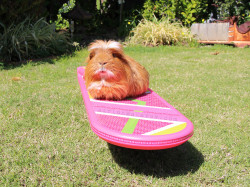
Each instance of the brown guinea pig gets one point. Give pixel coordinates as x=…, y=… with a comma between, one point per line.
x=112, y=75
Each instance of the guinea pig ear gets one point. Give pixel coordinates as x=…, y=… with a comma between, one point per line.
x=91, y=55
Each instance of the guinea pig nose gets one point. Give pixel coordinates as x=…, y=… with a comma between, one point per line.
x=102, y=63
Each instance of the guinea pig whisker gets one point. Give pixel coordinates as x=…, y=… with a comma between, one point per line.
x=99, y=84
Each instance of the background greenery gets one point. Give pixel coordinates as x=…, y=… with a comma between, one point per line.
x=17, y=10
x=187, y=12
x=32, y=39
x=227, y=8
x=62, y=23
x=161, y=32
x=105, y=16
x=45, y=137
x=21, y=39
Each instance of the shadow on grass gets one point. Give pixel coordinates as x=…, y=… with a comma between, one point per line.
x=159, y=163
x=13, y=65
x=35, y=62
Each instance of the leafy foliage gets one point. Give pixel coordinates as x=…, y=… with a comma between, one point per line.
x=240, y=8
x=66, y=7
x=160, y=32
x=187, y=12
x=29, y=39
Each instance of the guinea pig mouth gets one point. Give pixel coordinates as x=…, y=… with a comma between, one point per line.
x=104, y=73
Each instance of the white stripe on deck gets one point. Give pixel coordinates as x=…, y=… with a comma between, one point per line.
x=163, y=128
x=136, y=117
x=125, y=104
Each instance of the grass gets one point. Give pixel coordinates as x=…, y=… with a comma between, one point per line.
x=45, y=137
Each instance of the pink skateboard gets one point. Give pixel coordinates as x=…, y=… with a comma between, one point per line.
x=146, y=122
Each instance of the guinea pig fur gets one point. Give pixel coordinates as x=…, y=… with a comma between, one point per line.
x=112, y=75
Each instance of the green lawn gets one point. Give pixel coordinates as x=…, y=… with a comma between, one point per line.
x=45, y=137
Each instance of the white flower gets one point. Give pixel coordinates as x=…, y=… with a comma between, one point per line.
x=75, y=44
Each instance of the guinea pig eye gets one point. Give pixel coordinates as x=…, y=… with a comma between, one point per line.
x=116, y=55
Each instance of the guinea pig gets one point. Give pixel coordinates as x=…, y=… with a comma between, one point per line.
x=112, y=75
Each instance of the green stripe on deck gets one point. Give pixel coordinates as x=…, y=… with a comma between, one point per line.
x=131, y=123
x=130, y=126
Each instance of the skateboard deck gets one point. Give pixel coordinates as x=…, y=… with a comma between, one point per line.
x=146, y=122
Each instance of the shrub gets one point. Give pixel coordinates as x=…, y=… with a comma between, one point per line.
x=29, y=39
x=160, y=32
